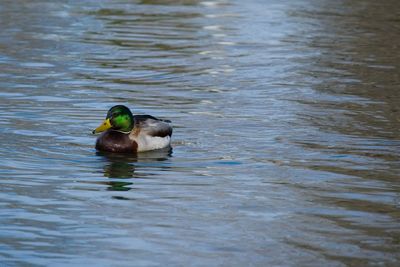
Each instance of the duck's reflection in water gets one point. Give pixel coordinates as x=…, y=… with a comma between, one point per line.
x=119, y=166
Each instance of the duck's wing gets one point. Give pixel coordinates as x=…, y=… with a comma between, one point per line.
x=152, y=126
x=140, y=118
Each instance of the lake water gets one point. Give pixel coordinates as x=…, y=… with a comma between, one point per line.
x=286, y=145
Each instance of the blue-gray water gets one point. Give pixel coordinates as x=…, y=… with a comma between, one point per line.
x=286, y=149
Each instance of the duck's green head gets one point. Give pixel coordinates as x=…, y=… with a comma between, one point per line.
x=118, y=118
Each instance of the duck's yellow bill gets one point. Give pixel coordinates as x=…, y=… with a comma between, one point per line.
x=104, y=126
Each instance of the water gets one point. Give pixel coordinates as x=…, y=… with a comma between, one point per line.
x=286, y=149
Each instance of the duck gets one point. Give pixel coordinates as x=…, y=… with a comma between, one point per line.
x=122, y=132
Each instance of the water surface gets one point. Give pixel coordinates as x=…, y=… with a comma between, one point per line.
x=286, y=149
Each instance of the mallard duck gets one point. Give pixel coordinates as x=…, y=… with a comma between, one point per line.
x=127, y=133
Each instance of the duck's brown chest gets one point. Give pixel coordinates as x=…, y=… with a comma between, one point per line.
x=113, y=141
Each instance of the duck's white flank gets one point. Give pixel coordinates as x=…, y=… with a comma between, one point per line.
x=146, y=143
x=145, y=135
